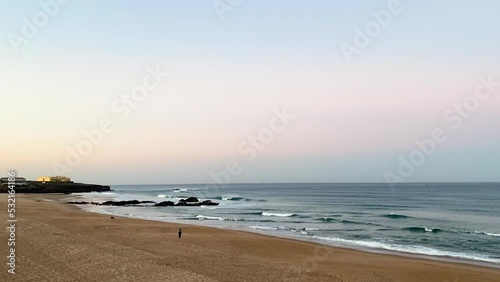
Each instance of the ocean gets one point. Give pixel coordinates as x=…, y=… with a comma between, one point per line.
x=447, y=220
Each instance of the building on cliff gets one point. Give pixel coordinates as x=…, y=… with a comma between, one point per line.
x=54, y=179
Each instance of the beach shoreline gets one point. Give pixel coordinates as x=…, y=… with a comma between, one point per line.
x=354, y=248
x=204, y=254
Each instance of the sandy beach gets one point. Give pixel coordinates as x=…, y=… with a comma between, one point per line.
x=58, y=242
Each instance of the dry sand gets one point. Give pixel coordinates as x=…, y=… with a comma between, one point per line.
x=58, y=242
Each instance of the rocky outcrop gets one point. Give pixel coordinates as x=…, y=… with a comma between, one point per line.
x=189, y=202
x=83, y=203
x=165, y=204
x=56, y=187
x=209, y=203
x=126, y=203
x=196, y=204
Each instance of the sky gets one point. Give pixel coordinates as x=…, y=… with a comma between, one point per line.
x=256, y=91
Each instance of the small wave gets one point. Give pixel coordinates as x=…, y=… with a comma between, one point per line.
x=203, y=217
x=327, y=219
x=103, y=193
x=303, y=231
x=283, y=228
x=357, y=222
x=344, y=221
x=486, y=233
x=385, y=229
x=208, y=207
x=263, y=227
x=408, y=249
x=179, y=190
x=233, y=198
x=423, y=229
x=395, y=216
x=162, y=196
x=251, y=220
x=492, y=234
x=348, y=222
x=278, y=214
x=250, y=213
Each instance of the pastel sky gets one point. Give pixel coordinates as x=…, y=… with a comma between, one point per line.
x=354, y=120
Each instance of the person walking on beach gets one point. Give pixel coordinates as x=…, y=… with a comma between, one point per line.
x=180, y=233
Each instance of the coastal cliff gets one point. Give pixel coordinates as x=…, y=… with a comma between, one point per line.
x=55, y=187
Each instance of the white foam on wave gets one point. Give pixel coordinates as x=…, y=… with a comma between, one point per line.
x=283, y=228
x=178, y=190
x=208, y=207
x=408, y=249
x=203, y=217
x=487, y=233
x=103, y=193
x=278, y=214
x=161, y=196
x=263, y=227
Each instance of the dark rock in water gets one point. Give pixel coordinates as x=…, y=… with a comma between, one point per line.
x=189, y=200
x=185, y=204
x=83, y=203
x=209, y=203
x=125, y=203
x=165, y=204
x=79, y=203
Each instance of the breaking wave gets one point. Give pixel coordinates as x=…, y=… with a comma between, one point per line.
x=423, y=229
x=413, y=249
x=327, y=219
x=279, y=214
x=395, y=216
